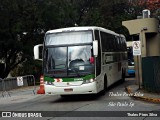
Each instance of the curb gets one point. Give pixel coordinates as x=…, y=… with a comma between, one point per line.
x=148, y=99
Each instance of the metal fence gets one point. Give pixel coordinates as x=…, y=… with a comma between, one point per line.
x=151, y=73
x=15, y=85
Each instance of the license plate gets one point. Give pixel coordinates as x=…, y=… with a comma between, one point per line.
x=68, y=90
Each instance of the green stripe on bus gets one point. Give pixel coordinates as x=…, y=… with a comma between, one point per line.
x=87, y=77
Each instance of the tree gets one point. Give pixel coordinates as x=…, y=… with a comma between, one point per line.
x=24, y=22
x=154, y=6
x=66, y=13
x=151, y=4
x=18, y=32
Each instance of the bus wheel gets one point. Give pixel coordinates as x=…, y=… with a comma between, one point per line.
x=104, y=86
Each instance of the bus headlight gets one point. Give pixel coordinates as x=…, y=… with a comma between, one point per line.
x=49, y=83
x=88, y=81
x=46, y=82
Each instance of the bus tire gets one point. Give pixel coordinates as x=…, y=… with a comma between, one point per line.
x=103, y=92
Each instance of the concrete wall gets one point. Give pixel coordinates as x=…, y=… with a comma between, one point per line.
x=136, y=26
x=153, y=44
x=147, y=29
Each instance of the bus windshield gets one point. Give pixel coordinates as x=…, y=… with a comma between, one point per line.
x=69, y=38
x=69, y=61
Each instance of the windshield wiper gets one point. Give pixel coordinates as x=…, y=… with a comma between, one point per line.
x=61, y=65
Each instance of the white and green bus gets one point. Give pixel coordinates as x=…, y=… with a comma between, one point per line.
x=82, y=60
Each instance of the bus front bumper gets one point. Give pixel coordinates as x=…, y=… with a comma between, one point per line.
x=89, y=88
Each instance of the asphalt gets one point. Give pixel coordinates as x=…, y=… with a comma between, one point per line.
x=18, y=95
x=24, y=94
x=139, y=93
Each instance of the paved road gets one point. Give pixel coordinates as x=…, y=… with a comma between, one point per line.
x=115, y=99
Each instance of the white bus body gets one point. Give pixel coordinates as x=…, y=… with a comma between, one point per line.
x=82, y=60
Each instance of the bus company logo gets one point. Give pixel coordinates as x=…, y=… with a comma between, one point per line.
x=78, y=79
x=58, y=80
x=6, y=114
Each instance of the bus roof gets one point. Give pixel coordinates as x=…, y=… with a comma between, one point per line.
x=82, y=29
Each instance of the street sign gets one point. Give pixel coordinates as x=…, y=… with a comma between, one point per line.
x=20, y=81
x=136, y=47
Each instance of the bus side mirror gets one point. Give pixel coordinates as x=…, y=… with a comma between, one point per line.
x=95, y=48
x=37, y=51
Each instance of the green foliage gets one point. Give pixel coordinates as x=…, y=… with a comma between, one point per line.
x=24, y=22
x=18, y=32
x=28, y=68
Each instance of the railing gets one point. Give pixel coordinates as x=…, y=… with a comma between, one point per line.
x=18, y=84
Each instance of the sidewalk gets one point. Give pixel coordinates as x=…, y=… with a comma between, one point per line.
x=142, y=94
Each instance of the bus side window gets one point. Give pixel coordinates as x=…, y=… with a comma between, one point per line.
x=114, y=43
x=110, y=42
x=107, y=42
x=119, y=46
x=125, y=44
x=104, y=42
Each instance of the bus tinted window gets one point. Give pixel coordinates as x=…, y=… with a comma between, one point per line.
x=125, y=45
x=107, y=42
x=96, y=35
